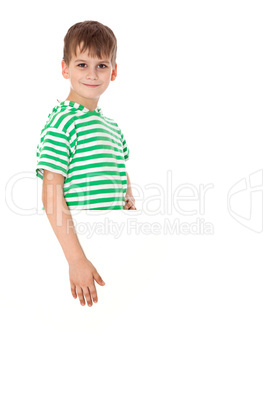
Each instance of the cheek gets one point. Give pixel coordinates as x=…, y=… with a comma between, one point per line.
x=76, y=75
x=108, y=76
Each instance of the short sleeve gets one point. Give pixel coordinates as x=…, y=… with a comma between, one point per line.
x=53, y=152
x=125, y=147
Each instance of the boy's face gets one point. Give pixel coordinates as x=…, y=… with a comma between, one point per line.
x=89, y=77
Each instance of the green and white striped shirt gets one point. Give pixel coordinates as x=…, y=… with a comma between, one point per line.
x=90, y=151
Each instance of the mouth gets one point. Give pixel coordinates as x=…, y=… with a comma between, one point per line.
x=91, y=86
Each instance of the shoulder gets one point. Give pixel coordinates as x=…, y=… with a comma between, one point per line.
x=61, y=119
x=111, y=123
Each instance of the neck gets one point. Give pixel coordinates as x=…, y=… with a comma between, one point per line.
x=90, y=104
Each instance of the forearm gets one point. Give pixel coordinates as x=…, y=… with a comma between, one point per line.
x=129, y=199
x=129, y=189
x=61, y=221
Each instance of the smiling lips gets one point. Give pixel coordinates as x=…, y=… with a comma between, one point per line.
x=91, y=86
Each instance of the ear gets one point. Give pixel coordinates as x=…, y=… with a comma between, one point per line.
x=114, y=73
x=65, y=70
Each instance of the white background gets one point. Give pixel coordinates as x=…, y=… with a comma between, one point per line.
x=182, y=317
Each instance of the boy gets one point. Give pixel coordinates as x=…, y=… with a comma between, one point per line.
x=82, y=153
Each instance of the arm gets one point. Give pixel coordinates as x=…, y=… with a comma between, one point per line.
x=81, y=271
x=130, y=200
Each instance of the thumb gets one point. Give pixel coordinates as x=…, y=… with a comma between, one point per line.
x=100, y=280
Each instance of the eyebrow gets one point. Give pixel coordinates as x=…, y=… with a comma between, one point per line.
x=100, y=61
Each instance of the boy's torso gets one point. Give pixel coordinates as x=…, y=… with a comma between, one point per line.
x=96, y=174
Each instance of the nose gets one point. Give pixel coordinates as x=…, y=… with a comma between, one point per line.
x=91, y=74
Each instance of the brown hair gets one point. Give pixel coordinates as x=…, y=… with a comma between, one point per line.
x=97, y=38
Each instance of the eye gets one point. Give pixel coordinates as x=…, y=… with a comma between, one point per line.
x=102, y=66
x=82, y=65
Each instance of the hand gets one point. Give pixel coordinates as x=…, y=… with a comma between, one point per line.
x=82, y=274
x=130, y=201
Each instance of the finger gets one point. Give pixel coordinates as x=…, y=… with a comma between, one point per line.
x=99, y=279
x=128, y=204
x=131, y=204
x=87, y=296
x=73, y=290
x=93, y=292
x=80, y=295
